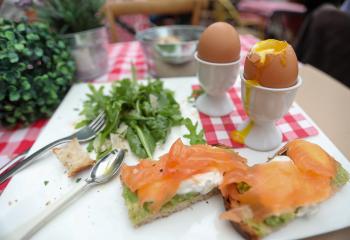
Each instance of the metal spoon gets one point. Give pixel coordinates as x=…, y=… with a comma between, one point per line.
x=101, y=172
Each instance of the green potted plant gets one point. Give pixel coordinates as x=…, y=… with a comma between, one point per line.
x=80, y=24
x=36, y=71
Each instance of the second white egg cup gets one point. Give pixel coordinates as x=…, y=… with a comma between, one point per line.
x=216, y=79
x=264, y=107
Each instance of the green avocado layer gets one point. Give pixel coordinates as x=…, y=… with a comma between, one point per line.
x=270, y=223
x=341, y=178
x=139, y=213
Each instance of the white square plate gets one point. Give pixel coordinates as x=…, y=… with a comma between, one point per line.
x=101, y=213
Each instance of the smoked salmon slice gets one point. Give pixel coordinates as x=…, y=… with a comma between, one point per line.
x=156, y=182
x=279, y=187
x=311, y=158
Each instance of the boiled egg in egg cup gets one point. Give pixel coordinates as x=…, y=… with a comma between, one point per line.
x=218, y=61
x=269, y=84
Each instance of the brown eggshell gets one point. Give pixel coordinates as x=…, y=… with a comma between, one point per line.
x=272, y=74
x=219, y=43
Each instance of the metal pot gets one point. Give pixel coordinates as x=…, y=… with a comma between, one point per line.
x=89, y=50
x=170, y=59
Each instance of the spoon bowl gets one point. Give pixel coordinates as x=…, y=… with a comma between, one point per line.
x=106, y=167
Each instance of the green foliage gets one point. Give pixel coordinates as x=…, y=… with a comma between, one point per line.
x=193, y=136
x=148, y=110
x=71, y=16
x=36, y=70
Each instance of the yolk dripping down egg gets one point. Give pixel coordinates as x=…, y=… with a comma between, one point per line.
x=271, y=63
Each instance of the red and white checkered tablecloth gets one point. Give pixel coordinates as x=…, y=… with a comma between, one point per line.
x=218, y=129
x=14, y=142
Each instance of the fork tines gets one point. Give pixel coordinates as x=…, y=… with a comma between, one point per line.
x=98, y=122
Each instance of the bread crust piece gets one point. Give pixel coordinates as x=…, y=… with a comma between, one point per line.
x=242, y=228
x=73, y=157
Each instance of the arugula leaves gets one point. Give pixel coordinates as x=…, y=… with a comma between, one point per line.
x=193, y=136
x=195, y=94
x=135, y=143
x=148, y=110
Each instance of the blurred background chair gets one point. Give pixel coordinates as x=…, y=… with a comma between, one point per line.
x=226, y=10
x=114, y=9
x=324, y=42
x=280, y=19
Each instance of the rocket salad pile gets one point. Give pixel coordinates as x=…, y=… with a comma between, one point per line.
x=149, y=111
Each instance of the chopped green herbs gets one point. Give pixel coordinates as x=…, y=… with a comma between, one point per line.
x=46, y=182
x=78, y=180
x=149, y=110
x=242, y=187
x=193, y=136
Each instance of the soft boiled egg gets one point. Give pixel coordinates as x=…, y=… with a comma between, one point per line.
x=219, y=43
x=271, y=63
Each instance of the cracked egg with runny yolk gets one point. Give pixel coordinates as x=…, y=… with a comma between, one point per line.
x=271, y=63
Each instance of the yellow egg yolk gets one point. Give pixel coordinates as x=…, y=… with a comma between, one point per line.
x=270, y=46
x=240, y=135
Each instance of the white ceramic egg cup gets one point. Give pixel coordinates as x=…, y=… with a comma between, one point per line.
x=264, y=107
x=216, y=79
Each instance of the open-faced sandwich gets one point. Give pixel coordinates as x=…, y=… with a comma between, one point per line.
x=185, y=175
x=264, y=197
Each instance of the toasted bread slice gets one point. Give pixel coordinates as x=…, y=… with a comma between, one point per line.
x=181, y=177
x=140, y=215
x=73, y=157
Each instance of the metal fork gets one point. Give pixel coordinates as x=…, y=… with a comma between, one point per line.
x=83, y=135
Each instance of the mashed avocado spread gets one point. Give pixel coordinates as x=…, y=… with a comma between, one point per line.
x=138, y=213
